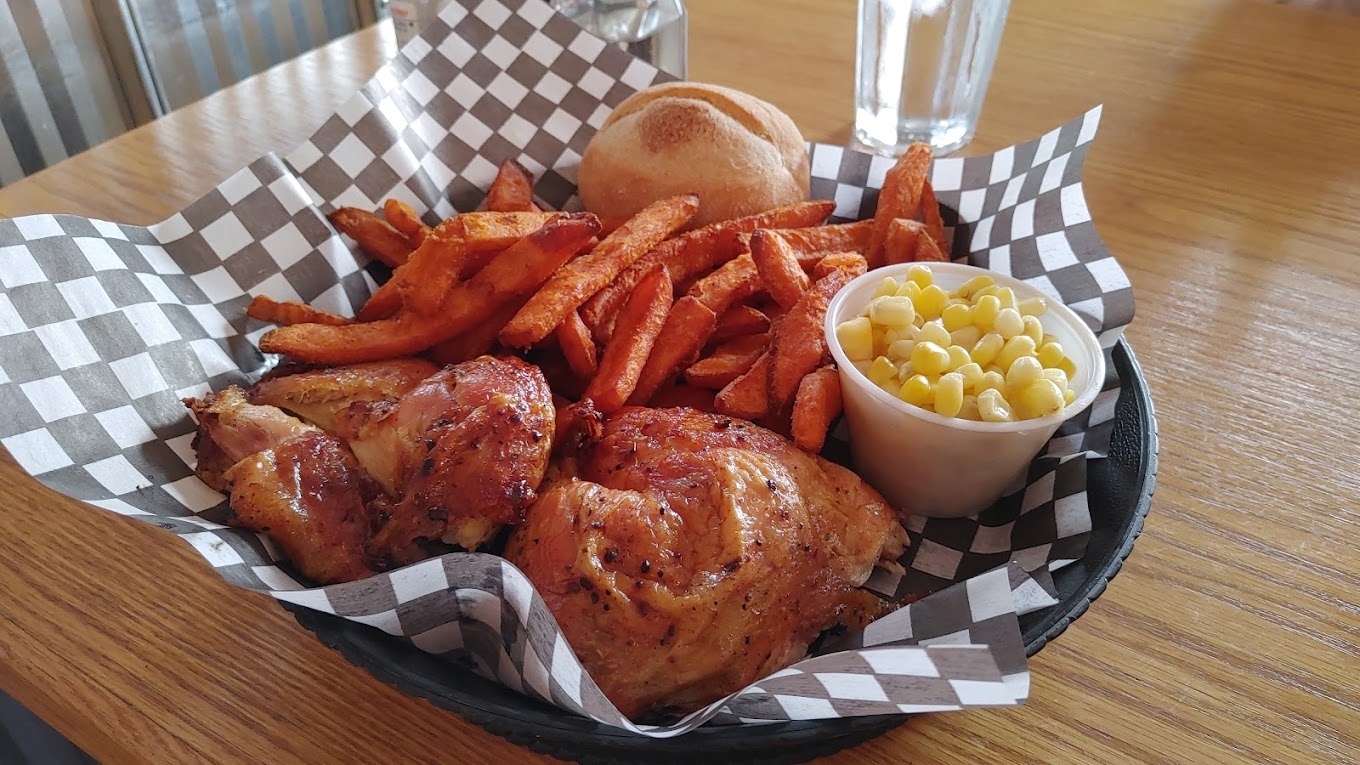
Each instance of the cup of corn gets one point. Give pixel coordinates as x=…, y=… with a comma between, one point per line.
x=954, y=378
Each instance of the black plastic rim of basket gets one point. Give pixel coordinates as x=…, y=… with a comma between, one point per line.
x=1127, y=477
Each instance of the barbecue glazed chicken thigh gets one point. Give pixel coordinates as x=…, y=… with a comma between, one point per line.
x=437, y=455
x=686, y=555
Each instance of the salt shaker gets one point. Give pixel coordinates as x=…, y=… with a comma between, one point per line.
x=656, y=31
x=410, y=16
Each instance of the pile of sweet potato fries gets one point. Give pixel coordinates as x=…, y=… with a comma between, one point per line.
x=725, y=318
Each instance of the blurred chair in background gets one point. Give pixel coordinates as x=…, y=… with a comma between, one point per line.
x=74, y=73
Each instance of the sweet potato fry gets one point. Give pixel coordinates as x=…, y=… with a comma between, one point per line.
x=476, y=341
x=778, y=267
x=515, y=272
x=734, y=281
x=577, y=346
x=799, y=344
x=573, y=285
x=385, y=301
x=496, y=230
x=374, y=235
x=930, y=215
x=285, y=313
x=727, y=362
x=927, y=250
x=806, y=243
x=900, y=197
x=404, y=219
x=816, y=405
x=692, y=253
x=747, y=396
x=640, y=325
x=850, y=262
x=513, y=189
x=457, y=249
x=903, y=236
x=680, y=394
x=740, y=320
x=688, y=326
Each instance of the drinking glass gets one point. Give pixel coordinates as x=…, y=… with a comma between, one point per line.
x=655, y=31
x=922, y=68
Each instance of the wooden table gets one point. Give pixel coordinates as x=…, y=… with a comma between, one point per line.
x=1225, y=179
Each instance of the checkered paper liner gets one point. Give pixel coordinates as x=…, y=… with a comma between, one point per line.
x=104, y=327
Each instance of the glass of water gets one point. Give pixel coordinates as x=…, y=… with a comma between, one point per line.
x=654, y=30
x=922, y=68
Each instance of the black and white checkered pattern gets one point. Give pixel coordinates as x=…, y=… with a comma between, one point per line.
x=105, y=327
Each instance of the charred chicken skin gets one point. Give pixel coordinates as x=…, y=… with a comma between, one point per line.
x=685, y=555
x=429, y=454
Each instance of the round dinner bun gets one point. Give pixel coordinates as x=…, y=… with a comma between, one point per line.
x=740, y=154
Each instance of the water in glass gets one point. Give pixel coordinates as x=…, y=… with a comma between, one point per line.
x=922, y=70
x=653, y=30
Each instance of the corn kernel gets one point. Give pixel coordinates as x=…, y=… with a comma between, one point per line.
x=986, y=349
x=1068, y=366
x=1050, y=355
x=931, y=301
x=882, y=371
x=929, y=358
x=863, y=366
x=1032, y=306
x=899, y=333
x=968, y=288
x=972, y=376
x=1025, y=371
x=856, y=338
x=1009, y=323
x=985, y=311
x=957, y=316
x=917, y=391
x=1048, y=339
x=919, y=321
x=1058, y=377
x=1038, y=399
x=900, y=350
x=922, y=275
x=990, y=289
x=966, y=337
x=969, y=410
x=992, y=367
x=991, y=380
x=1015, y=348
x=888, y=286
x=934, y=332
x=1007, y=297
x=909, y=289
x=949, y=394
x=905, y=371
x=1033, y=329
x=958, y=357
x=992, y=406
x=1069, y=395
x=892, y=311
x=880, y=336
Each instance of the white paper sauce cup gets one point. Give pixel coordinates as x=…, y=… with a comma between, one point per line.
x=944, y=467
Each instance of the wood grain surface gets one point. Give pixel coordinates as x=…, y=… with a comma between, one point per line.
x=1225, y=178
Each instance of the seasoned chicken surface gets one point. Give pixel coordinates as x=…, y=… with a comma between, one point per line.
x=686, y=555
x=290, y=480
x=414, y=454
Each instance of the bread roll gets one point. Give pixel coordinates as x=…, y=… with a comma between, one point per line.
x=738, y=153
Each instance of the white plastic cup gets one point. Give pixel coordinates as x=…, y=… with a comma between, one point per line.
x=945, y=467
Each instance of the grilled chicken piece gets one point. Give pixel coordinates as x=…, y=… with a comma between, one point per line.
x=686, y=555
x=322, y=396
x=289, y=480
x=460, y=452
